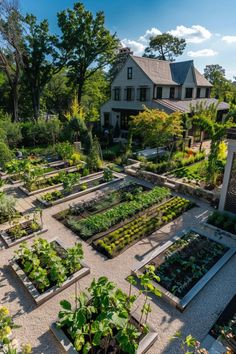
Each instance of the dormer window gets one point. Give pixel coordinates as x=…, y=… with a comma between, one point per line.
x=159, y=92
x=198, y=92
x=129, y=73
x=189, y=92
x=172, y=92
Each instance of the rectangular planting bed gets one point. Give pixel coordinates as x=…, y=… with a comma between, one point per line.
x=117, y=241
x=185, y=265
x=87, y=185
x=47, y=183
x=145, y=343
x=94, y=226
x=41, y=271
x=21, y=232
x=100, y=203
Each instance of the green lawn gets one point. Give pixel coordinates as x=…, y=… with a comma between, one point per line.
x=196, y=171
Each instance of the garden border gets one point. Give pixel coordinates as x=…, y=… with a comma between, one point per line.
x=67, y=345
x=41, y=298
x=5, y=238
x=81, y=193
x=181, y=304
x=219, y=230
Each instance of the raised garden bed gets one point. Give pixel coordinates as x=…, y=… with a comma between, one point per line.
x=47, y=183
x=48, y=268
x=223, y=221
x=87, y=185
x=126, y=192
x=102, y=222
x=118, y=330
x=116, y=242
x=21, y=232
x=61, y=166
x=185, y=265
x=222, y=333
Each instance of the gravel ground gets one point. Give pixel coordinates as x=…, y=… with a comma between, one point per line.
x=197, y=319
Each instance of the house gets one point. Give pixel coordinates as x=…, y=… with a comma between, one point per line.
x=157, y=84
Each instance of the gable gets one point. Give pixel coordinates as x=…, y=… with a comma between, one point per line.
x=139, y=77
x=190, y=79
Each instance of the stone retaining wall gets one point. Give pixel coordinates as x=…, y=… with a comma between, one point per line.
x=177, y=186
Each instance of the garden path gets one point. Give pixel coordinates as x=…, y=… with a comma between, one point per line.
x=197, y=319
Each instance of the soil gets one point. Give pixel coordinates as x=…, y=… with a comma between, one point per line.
x=167, y=266
x=227, y=314
x=24, y=226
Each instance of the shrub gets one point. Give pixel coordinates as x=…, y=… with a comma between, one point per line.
x=7, y=207
x=64, y=150
x=5, y=154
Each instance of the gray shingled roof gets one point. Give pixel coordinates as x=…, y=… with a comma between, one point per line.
x=163, y=72
x=201, y=80
x=185, y=105
x=157, y=70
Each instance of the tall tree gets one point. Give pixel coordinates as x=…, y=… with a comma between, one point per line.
x=11, y=49
x=96, y=92
x=85, y=44
x=39, y=52
x=165, y=47
x=215, y=74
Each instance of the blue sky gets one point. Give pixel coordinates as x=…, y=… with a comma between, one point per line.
x=208, y=25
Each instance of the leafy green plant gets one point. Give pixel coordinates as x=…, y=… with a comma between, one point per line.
x=5, y=154
x=69, y=181
x=103, y=221
x=45, y=266
x=7, y=207
x=102, y=318
x=64, y=150
x=107, y=174
x=114, y=243
x=189, y=344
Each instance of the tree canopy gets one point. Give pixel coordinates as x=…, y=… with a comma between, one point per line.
x=165, y=47
x=86, y=45
x=156, y=127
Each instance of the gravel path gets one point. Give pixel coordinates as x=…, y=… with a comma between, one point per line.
x=197, y=319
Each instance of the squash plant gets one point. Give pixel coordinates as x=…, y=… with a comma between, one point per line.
x=102, y=318
x=47, y=264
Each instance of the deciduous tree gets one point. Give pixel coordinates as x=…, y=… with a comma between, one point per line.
x=38, y=58
x=156, y=127
x=86, y=45
x=165, y=47
x=11, y=49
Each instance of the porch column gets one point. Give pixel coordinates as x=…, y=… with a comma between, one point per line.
x=228, y=192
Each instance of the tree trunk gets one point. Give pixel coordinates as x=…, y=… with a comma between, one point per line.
x=35, y=94
x=79, y=93
x=15, y=103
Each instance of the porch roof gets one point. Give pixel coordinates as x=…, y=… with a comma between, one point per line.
x=185, y=105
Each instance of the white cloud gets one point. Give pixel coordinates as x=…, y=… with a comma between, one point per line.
x=148, y=34
x=193, y=34
x=229, y=39
x=202, y=53
x=137, y=47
